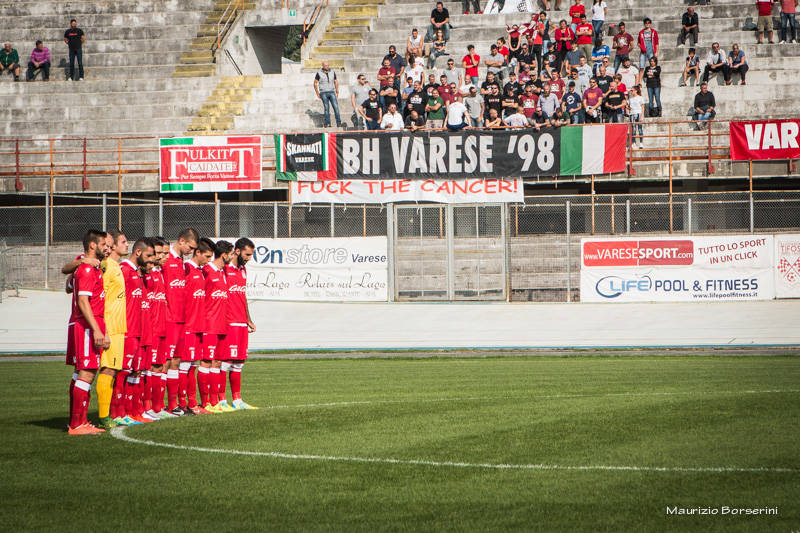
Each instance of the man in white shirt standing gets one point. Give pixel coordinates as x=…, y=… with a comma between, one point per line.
x=629, y=73
x=392, y=120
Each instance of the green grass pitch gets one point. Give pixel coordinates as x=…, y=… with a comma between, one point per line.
x=674, y=419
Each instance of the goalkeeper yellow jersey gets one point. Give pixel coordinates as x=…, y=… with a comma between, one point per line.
x=114, y=286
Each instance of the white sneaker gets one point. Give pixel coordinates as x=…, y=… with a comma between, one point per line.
x=150, y=415
x=80, y=79
x=165, y=414
x=782, y=42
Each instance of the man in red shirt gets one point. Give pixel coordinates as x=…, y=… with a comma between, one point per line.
x=622, y=45
x=88, y=332
x=764, y=19
x=528, y=100
x=156, y=378
x=174, y=274
x=470, y=62
x=195, y=324
x=212, y=384
x=585, y=37
x=575, y=11
x=240, y=325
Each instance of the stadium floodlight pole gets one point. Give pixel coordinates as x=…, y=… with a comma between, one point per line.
x=46, y=237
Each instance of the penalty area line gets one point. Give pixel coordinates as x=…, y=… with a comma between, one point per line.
x=119, y=433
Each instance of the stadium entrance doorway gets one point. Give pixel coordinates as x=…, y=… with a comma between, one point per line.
x=450, y=252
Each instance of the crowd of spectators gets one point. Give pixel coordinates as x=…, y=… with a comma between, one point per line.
x=39, y=61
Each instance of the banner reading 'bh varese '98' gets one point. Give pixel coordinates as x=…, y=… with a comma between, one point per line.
x=519, y=153
x=675, y=269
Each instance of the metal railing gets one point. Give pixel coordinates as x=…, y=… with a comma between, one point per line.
x=312, y=18
x=225, y=22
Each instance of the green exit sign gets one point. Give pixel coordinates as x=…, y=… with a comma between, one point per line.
x=292, y=13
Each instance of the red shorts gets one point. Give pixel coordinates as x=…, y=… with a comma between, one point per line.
x=142, y=362
x=192, y=346
x=211, y=346
x=236, y=342
x=70, y=344
x=87, y=357
x=130, y=353
x=158, y=352
x=174, y=345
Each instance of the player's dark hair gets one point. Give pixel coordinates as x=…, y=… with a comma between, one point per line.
x=72, y=20
x=204, y=245
x=222, y=247
x=158, y=240
x=116, y=234
x=142, y=244
x=243, y=243
x=189, y=234
x=91, y=236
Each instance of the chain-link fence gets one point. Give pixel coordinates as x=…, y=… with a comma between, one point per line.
x=530, y=253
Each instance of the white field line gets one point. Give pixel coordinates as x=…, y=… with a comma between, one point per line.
x=119, y=433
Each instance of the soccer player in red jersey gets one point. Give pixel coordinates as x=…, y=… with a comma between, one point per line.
x=174, y=273
x=240, y=325
x=146, y=340
x=156, y=378
x=89, y=333
x=126, y=386
x=195, y=325
x=216, y=326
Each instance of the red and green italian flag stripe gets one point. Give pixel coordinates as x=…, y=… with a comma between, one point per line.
x=593, y=149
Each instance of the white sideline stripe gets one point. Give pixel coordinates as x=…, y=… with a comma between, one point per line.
x=119, y=433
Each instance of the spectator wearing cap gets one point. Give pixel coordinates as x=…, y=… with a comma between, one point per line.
x=614, y=104
x=652, y=80
x=788, y=12
x=474, y=103
x=585, y=36
x=475, y=7
x=457, y=115
x=359, y=94
x=572, y=106
x=370, y=111
x=440, y=19
x=495, y=62
x=415, y=46
x=715, y=62
x=737, y=62
x=392, y=120
x=648, y=43
x=704, y=105
x=593, y=102
x=623, y=41
x=764, y=8
x=9, y=61
x=690, y=25
x=40, y=59
x=692, y=64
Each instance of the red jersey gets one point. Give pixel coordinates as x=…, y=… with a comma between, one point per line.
x=134, y=295
x=236, y=277
x=529, y=102
x=147, y=319
x=216, y=301
x=585, y=38
x=575, y=12
x=154, y=282
x=174, y=274
x=71, y=284
x=88, y=281
x=195, y=298
x=764, y=8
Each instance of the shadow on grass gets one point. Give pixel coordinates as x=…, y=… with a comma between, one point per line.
x=58, y=423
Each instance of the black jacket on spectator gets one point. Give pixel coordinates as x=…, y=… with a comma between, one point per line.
x=687, y=20
x=701, y=100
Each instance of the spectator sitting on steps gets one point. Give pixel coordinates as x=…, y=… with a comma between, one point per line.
x=440, y=19
x=414, y=45
x=690, y=25
x=9, y=61
x=370, y=110
x=704, y=106
x=737, y=62
x=715, y=62
x=692, y=65
x=438, y=49
x=40, y=59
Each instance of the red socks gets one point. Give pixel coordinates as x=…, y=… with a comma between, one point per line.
x=80, y=403
x=214, y=386
x=183, y=383
x=72, y=386
x=172, y=389
x=118, y=398
x=191, y=387
x=236, y=381
x=203, y=380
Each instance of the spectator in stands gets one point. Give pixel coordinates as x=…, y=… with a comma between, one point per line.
x=715, y=62
x=788, y=12
x=326, y=85
x=385, y=77
x=585, y=37
x=514, y=46
x=548, y=30
x=389, y=94
x=652, y=79
x=457, y=115
x=527, y=57
x=431, y=85
x=600, y=55
x=414, y=121
x=593, y=102
x=571, y=105
x=704, y=105
x=40, y=59
x=392, y=120
x=493, y=100
x=737, y=62
x=493, y=120
x=599, y=12
x=648, y=43
x=550, y=59
x=74, y=37
x=584, y=73
x=504, y=51
x=622, y=45
x=9, y=61
x=509, y=103
x=399, y=64
x=453, y=74
x=692, y=64
x=470, y=63
x=528, y=101
x=575, y=11
x=559, y=118
x=557, y=85
x=440, y=19
x=494, y=63
x=548, y=101
x=512, y=84
x=416, y=100
x=359, y=94
x=636, y=105
x=564, y=38
x=402, y=101
x=603, y=81
x=474, y=104
x=581, y=84
x=690, y=25
x=526, y=74
x=629, y=73
x=444, y=90
x=486, y=87
x=416, y=69
x=571, y=60
x=475, y=7
x=764, y=8
x=614, y=104
x=415, y=46
x=438, y=49
x=370, y=111
x=517, y=119
x=435, y=109
x=621, y=87
x=538, y=120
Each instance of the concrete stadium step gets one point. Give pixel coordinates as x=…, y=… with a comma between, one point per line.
x=132, y=86
x=104, y=127
x=76, y=8
x=56, y=35
x=39, y=101
x=194, y=70
x=87, y=22
x=90, y=112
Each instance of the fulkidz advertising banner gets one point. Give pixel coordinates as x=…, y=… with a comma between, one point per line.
x=210, y=164
x=353, y=269
x=388, y=191
x=730, y=267
x=765, y=139
x=787, y=266
x=570, y=150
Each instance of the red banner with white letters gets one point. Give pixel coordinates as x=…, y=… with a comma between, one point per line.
x=765, y=139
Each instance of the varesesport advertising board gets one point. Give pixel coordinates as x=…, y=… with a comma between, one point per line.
x=677, y=269
x=352, y=269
